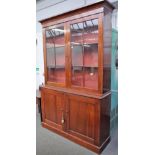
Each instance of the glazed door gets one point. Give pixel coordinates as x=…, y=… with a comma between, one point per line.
x=81, y=117
x=53, y=108
x=86, y=45
x=55, y=55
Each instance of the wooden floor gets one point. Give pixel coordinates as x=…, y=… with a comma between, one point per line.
x=49, y=143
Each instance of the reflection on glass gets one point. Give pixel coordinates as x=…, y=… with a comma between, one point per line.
x=84, y=47
x=55, y=54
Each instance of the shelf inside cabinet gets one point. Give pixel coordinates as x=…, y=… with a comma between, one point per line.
x=85, y=66
x=56, y=67
x=85, y=44
x=54, y=46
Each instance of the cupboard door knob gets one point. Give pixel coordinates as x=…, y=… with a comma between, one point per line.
x=62, y=121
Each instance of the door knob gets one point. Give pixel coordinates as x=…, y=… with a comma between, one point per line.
x=62, y=120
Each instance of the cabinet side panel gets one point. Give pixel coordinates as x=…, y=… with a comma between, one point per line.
x=105, y=118
x=42, y=105
x=107, y=50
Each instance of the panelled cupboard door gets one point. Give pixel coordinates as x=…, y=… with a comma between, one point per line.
x=52, y=108
x=81, y=118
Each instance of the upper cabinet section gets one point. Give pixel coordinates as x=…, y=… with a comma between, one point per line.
x=77, y=48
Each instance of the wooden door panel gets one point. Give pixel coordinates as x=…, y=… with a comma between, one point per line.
x=81, y=117
x=91, y=124
x=78, y=115
x=49, y=107
x=52, y=108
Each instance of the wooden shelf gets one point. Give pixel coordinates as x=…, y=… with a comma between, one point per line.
x=56, y=46
x=77, y=43
x=55, y=67
x=85, y=66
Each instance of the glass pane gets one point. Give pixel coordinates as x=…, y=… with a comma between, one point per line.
x=84, y=46
x=55, y=47
x=77, y=53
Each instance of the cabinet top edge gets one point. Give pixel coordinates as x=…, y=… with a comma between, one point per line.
x=98, y=4
x=75, y=92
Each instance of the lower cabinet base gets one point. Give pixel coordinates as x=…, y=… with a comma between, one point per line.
x=77, y=140
x=78, y=117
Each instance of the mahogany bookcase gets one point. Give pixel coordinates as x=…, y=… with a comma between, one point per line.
x=77, y=63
